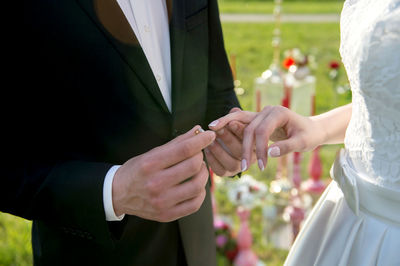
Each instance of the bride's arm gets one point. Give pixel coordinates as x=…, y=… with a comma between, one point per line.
x=334, y=124
x=290, y=131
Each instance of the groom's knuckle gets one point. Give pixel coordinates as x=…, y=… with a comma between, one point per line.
x=197, y=187
x=146, y=167
x=153, y=187
x=232, y=167
x=186, y=149
x=191, y=166
x=201, y=199
x=194, y=165
x=195, y=206
x=158, y=204
x=228, y=140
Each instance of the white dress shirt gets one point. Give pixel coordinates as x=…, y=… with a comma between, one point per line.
x=149, y=21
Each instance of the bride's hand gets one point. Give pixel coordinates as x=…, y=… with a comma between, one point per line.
x=290, y=132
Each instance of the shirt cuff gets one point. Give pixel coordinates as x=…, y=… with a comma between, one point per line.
x=107, y=196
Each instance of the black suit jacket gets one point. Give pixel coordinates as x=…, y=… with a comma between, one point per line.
x=85, y=99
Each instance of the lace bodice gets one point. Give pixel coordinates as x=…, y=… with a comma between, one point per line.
x=370, y=50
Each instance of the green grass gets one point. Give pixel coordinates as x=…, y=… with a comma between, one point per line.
x=267, y=7
x=251, y=43
x=15, y=241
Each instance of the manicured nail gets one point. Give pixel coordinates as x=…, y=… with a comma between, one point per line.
x=274, y=151
x=260, y=164
x=244, y=165
x=213, y=123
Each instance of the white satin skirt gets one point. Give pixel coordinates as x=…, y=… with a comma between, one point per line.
x=354, y=223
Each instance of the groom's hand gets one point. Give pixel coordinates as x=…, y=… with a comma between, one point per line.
x=224, y=154
x=166, y=183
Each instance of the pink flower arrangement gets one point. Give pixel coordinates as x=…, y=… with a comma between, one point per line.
x=227, y=248
x=221, y=240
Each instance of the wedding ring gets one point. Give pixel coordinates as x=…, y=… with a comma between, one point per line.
x=198, y=131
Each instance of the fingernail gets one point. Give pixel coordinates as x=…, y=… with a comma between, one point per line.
x=274, y=152
x=244, y=165
x=220, y=132
x=213, y=123
x=260, y=164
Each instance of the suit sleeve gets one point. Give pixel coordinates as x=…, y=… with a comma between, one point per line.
x=40, y=180
x=221, y=94
x=66, y=194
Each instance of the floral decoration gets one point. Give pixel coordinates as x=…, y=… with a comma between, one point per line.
x=334, y=75
x=225, y=240
x=294, y=57
x=297, y=63
x=334, y=67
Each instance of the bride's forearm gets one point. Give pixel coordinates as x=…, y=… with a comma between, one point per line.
x=333, y=124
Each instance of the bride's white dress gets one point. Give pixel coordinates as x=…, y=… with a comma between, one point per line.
x=357, y=219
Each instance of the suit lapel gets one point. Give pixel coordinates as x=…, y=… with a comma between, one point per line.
x=177, y=40
x=129, y=49
x=197, y=231
x=108, y=16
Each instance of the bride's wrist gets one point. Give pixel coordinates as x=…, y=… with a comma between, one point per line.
x=319, y=130
x=331, y=126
